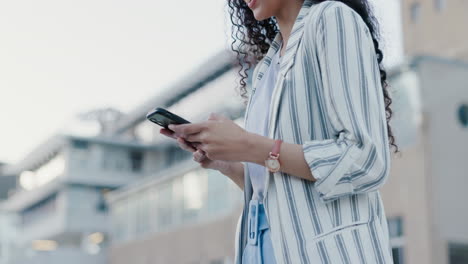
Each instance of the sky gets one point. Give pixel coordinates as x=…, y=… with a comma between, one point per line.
x=61, y=58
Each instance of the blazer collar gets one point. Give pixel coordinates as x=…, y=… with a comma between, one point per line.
x=287, y=60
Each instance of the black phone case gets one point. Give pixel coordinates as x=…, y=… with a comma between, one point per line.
x=171, y=118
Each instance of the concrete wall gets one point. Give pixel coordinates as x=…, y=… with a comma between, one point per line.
x=442, y=33
x=405, y=194
x=445, y=89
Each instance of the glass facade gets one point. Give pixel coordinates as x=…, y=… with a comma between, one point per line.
x=415, y=12
x=395, y=230
x=440, y=4
x=192, y=197
x=458, y=253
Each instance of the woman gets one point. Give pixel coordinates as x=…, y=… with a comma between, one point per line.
x=315, y=148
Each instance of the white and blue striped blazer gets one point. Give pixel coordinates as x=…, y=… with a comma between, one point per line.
x=328, y=98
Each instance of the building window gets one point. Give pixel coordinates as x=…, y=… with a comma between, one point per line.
x=194, y=186
x=136, y=160
x=120, y=221
x=101, y=206
x=142, y=214
x=415, y=12
x=164, y=205
x=175, y=155
x=463, y=115
x=80, y=144
x=458, y=253
x=218, y=192
x=395, y=230
x=191, y=197
x=440, y=4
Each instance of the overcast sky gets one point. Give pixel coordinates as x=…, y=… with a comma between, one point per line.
x=59, y=58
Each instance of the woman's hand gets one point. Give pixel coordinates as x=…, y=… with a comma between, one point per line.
x=219, y=138
x=198, y=155
x=234, y=170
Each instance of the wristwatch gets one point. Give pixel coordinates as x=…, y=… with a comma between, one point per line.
x=272, y=162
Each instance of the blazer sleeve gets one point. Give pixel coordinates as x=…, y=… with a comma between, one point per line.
x=357, y=160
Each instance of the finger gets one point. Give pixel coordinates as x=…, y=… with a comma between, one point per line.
x=187, y=129
x=201, y=150
x=167, y=133
x=202, y=154
x=196, y=144
x=202, y=147
x=190, y=144
x=206, y=164
x=183, y=144
x=194, y=138
x=198, y=156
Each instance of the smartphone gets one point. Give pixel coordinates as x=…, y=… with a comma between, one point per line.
x=164, y=118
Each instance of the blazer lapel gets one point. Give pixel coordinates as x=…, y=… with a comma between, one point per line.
x=287, y=61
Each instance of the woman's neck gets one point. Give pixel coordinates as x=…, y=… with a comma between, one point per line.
x=286, y=16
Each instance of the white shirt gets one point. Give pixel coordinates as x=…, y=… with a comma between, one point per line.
x=258, y=122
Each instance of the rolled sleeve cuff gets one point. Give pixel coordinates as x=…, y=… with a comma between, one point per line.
x=328, y=162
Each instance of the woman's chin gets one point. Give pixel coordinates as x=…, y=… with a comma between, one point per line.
x=259, y=15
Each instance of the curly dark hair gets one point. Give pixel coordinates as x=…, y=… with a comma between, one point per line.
x=255, y=38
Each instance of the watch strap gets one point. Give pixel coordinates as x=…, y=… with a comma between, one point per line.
x=276, y=147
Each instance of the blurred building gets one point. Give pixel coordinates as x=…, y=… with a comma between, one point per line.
x=7, y=181
x=58, y=212
x=435, y=27
x=7, y=219
x=425, y=196
x=7, y=236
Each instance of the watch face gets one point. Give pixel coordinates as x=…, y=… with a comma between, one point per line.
x=272, y=164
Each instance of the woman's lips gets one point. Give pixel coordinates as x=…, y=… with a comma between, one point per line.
x=252, y=3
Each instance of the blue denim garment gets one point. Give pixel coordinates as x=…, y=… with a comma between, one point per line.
x=259, y=248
